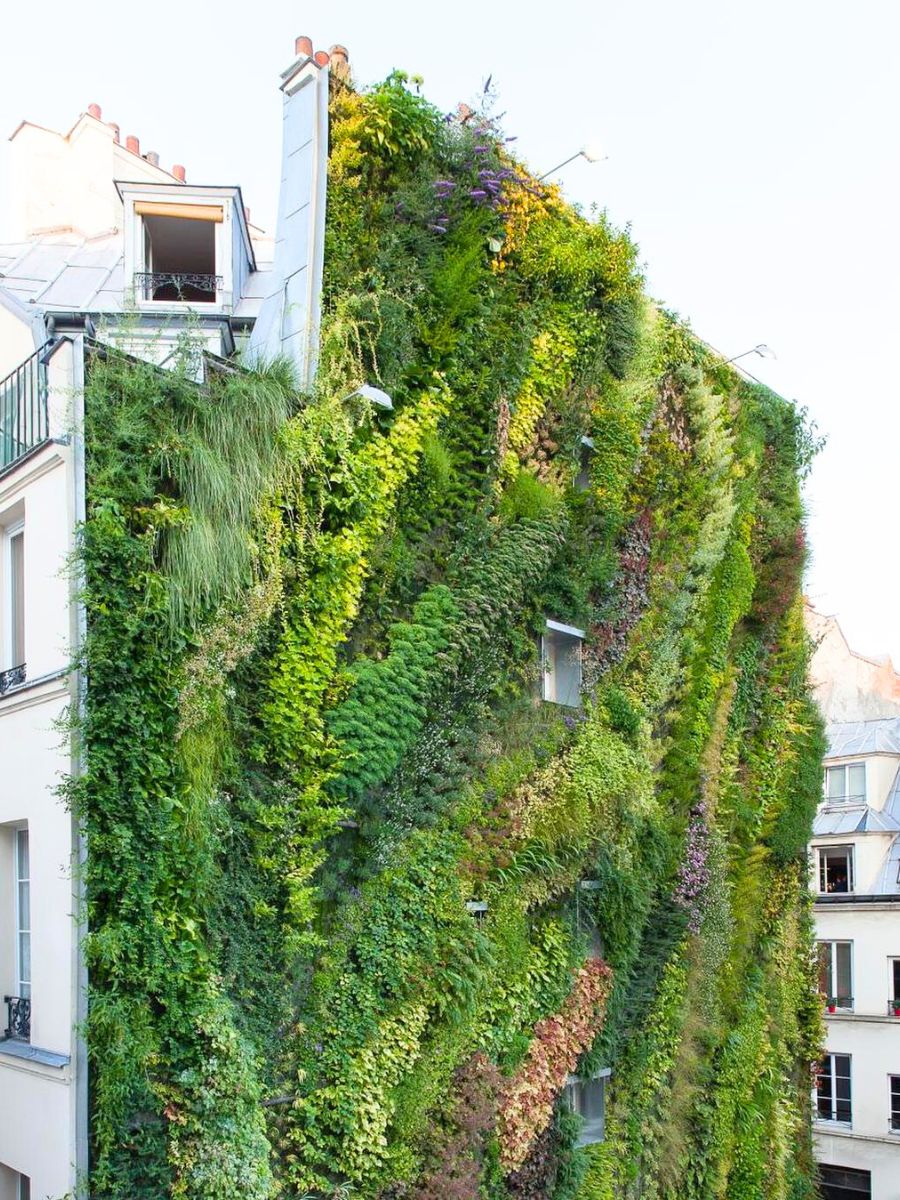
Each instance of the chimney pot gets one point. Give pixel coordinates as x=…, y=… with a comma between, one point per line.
x=340, y=61
x=152, y=158
x=115, y=130
x=133, y=144
x=94, y=111
x=323, y=58
x=179, y=172
x=304, y=46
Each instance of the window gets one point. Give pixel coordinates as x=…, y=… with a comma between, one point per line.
x=845, y=784
x=835, y=868
x=178, y=251
x=587, y=1098
x=833, y=1089
x=844, y=1183
x=894, y=1081
x=585, y=454
x=894, y=986
x=14, y=606
x=836, y=974
x=14, y=1186
x=23, y=916
x=561, y=658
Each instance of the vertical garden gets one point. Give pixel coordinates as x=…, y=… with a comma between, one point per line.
x=361, y=903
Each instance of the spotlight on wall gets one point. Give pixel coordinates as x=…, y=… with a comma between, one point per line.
x=591, y=153
x=374, y=395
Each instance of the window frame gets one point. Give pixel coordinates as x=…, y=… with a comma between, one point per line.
x=846, y=800
x=588, y=1134
x=22, y=985
x=135, y=244
x=893, y=981
x=832, y=997
x=834, y=1100
x=548, y=670
x=11, y=650
x=822, y=852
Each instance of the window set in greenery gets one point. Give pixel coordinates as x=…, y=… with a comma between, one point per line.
x=314, y=728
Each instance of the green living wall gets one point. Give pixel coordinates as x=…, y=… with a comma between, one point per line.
x=314, y=730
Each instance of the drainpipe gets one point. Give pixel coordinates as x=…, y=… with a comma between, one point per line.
x=80, y=685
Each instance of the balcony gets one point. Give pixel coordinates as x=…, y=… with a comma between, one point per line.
x=18, y=1018
x=24, y=420
x=184, y=288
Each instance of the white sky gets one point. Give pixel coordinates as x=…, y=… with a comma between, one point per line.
x=752, y=147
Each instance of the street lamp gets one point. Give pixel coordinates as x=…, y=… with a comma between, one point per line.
x=762, y=350
x=591, y=153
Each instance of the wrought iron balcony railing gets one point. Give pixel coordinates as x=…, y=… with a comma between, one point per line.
x=894, y=1007
x=18, y=1018
x=838, y=1003
x=181, y=286
x=24, y=421
x=11, y=677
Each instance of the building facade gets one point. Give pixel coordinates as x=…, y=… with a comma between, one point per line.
x=855, y=860
x=105, y=249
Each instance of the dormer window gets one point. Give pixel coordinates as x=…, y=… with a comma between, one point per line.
x=835, y=869
x=845, y=784
x=179, y=252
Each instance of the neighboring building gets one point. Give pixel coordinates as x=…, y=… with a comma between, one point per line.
x=855, y=855
x=106, y=248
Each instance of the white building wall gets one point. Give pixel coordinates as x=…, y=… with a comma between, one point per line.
x=37, y=1098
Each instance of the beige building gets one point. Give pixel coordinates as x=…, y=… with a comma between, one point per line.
x=855, y=861
x=105, y=249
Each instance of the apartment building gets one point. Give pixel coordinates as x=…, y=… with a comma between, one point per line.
x=106, y=249
x=855, y=860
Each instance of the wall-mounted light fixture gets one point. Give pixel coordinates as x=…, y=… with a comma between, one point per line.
x=374, y=395
x=590, y=153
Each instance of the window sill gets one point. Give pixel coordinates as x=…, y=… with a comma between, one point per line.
x=25, y=1052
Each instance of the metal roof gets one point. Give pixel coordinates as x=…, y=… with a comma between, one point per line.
x=87, y=275
x=846, y=738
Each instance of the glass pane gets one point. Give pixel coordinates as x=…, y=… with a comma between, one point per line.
x=834, y=782
x=592, y=1100
x=24, y=962
x=825, y=968
x=24, y=906
x=844, y=987
x=17, y=598
x=896, y=974
x=837, y=871
x=857, y=781
x=22, y=853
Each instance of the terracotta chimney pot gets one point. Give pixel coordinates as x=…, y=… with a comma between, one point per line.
x=340, y=61
x=94, y=111
x=304, y=46
x=179, y=172
x=323, y=58
x=133, y=144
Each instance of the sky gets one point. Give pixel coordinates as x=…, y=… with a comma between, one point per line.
x=752, y=149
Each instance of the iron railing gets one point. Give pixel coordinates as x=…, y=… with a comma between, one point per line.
x=11, y=677
x=18, y=1018
x=181, y=286
x=894, y=1007
x=24, y=420
x=838, y=1003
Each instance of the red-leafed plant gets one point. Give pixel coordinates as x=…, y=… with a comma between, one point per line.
x=527, y=1103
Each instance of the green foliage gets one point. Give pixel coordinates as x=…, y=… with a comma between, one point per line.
x=313, y=731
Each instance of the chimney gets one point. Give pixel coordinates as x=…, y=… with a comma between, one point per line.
x=179, y=172
x=94, y=111
x=288, y=321
x=115, y=131
x=152, y=158
x=133, y=144
x=340, y=62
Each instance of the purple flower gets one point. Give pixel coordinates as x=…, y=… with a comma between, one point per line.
x=478, y=193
